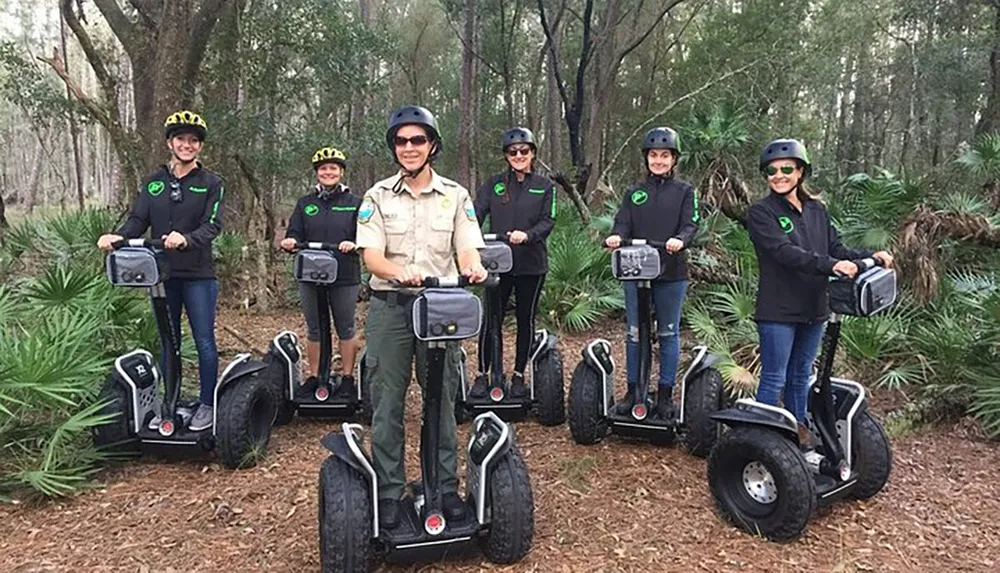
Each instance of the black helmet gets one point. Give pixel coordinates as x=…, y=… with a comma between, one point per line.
x=786, y=149
x=413, y=115
x=518, y=135
x=662, y=138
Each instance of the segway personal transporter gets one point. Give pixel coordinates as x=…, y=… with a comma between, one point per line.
x=544, y=378
x=591, y=401
x=498, y=487
x=244, y=403
x=327, y=395
x=761, y=479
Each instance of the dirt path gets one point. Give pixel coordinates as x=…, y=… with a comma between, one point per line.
x=617, y=506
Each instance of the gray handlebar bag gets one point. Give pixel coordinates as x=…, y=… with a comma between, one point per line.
x=446, y=314
x=635, y=263
x=497, y=257
x=135, y=267
x=315, y=266
x=872, y=291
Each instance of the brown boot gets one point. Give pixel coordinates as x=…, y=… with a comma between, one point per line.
x=806, y=439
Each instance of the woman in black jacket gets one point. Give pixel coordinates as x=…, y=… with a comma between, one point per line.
x=798, y=250
x=659, y=208
x=521, y=206
x=329, y=214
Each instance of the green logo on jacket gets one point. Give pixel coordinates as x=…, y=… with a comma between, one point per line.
x=639, y=197
x=499, y=188
x=155, y=188
x=311, y=209
x=786, y=224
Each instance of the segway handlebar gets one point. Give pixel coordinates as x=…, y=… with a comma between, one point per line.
x=631, y=242
x=497, y=238
x=299, y=245
x=451, y=282
x=145, y=243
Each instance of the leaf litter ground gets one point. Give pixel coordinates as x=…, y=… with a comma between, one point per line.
x=616, y=506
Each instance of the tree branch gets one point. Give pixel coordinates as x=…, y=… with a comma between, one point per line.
x=204, y=22
x=107, y=81
x=674, y=103
x=636, y=42
x=466, y=45
x=149, y=12
x=552, y=51
x=123, y=28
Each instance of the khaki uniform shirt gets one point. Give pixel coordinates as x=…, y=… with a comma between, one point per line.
x=423, y=232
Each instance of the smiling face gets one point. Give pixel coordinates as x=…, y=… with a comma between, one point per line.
x=660, y=161
x=520, y=156
x=329, y=174
x=185, y=146
x=412, y=146
x=783, y=175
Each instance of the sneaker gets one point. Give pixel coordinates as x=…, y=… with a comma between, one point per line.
x=478, y=389
x=665, y=409
x=154, y=424
x=203, y=418
x=624, y=406
x=454, y=507
x=307, y=390
x=347, y=388
x=518, y=389
x=388, y=512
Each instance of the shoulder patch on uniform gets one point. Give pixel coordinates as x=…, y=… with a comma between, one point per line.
x=786, y=224
x=155, y=187
x=499, y=188
x=366, y=211
x=311, y=209
x=470, y=211
x=639, y=197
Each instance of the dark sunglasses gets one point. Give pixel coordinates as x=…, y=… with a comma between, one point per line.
x=771, y=170
x=519, y=151
x=175, y=192
x=415, y=141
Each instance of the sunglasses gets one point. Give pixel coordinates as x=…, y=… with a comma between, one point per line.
x=415, y=141
x=175, y=192
x=525, y=151
x=771, y=170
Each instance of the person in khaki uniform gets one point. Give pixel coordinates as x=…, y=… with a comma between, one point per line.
x=412, y=225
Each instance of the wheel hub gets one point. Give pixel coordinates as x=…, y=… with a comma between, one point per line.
x=759, y=483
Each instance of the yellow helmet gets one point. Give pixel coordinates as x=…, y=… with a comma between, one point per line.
x=329, y=155
x=185, y=121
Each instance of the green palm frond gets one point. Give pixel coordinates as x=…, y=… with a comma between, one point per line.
x=983, y=157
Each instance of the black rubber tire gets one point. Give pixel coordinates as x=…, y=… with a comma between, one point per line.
x=872, y=456
x=587, y=423
x=116, y=438
x=702, y=398
x=345, y=518
x=550, y=392
x=786, y=517
x=512, y=511
x=244, y=414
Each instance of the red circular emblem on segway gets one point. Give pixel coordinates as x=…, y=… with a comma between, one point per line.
x=496, y=394
x=434, y=524
x=639, y=411
x=166, y=428
x=322, y=393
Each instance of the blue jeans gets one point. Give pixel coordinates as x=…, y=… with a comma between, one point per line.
x=668, y=297
x=787, y=353
x=198, y=298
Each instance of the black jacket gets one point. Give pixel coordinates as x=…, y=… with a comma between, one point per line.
x=658, y=209
x=330, y=220
x=528, y=206
x=795, y=253
x=198, y=216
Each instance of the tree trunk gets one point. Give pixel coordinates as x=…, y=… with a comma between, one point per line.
x=36, y=178
x=74, y=133
x=990, y=120
x=467, y=88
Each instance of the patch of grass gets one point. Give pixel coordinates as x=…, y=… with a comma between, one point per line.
x=576, y=471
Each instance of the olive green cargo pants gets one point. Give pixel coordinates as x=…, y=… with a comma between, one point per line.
x=390, y=349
